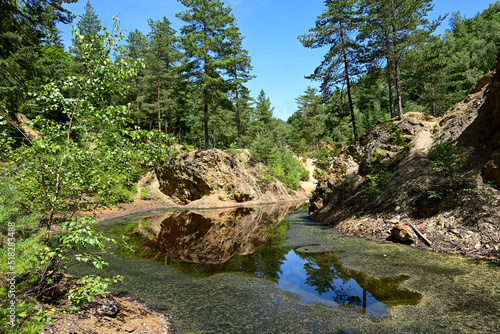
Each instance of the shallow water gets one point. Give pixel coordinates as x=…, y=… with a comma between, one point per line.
x=248, y=270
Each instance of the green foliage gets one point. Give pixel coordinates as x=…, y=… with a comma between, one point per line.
x=90, y=287
x=304, y=174
x=233, y=151
x=265, y=176
x=31, y=317
x=319, y=173
x=188, y=148
x=307, y=123
x=212, y=44
x=31, y=50
x=323, y=157
x=152, y=148
x=144, y=194
x=378, y=178
x=287, y=168
x=446, y=162
x=396, y=136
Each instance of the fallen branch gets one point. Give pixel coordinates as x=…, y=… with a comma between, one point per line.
x=427, y=241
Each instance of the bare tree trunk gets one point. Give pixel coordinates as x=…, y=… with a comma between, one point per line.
x=389, y=83
x=159, y=109
x=205, y=90
x=389, y=64
x=181, y=140
x=348, y=83
x=205, y=113
x=396, y=66
x=433, y=89
x=398, y=89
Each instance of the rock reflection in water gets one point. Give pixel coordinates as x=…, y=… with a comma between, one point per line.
x=216, y=236
x=251, y=240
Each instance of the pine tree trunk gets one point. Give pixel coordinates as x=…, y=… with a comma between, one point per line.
x=389, y=67
x=433, y=88
x=396, y=64
x=238, y=124
x=205, y=90
x=398, y=89
x=137, y=99
x=181, y=140
x=205, y=119
x=159, y=110
x=348, y=83
x=389, y=83
x=315, y=132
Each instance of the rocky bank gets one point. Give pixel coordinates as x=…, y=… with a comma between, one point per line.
x=430, y=182
x=213, y=178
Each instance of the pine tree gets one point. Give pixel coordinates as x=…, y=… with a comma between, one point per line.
x=239, y=75
x=263, y=112
x=136, y=49
x=375, y=29
x=207, y=37
x=425, y=76
x=89, y=29
x=30, y=51
x=311, y=107
x=336, y=28
x=160, y=76
x=470, y=48
x=408, y=27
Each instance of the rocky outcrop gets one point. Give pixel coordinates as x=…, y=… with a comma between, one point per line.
x=197, y=175
x=438, y=177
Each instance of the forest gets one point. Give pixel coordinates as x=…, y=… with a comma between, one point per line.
x=79, y=125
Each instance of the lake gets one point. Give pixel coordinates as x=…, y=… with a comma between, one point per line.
x=270, y=269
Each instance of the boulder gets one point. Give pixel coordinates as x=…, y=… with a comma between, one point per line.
x=403, y=233
x=194, y=175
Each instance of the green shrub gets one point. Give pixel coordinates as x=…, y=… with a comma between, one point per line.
x=378, y=178
x=144, y=194
x=446, y=162
x=319, y=173
x=282, y=163
x=324, y=157
x=234, y=151
x=304, y=174
x=91, y=286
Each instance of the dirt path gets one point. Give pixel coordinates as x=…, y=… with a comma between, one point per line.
x=310, y=185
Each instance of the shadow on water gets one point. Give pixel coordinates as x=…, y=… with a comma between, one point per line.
x=203, y=243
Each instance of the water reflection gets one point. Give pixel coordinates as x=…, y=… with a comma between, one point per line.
x=251, y=240
x=319, y=277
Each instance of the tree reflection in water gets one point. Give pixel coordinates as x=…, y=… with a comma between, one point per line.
x=208, y=242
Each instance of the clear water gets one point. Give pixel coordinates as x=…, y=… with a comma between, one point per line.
x=250, y=270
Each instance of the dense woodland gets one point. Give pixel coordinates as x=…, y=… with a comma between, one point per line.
x=79, y=124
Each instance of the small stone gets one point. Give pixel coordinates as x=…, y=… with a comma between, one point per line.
x=109, y=308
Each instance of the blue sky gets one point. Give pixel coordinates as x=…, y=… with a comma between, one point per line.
x=271, y=28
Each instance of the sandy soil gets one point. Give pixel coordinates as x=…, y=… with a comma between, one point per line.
x=132, y=316
x=310, y=185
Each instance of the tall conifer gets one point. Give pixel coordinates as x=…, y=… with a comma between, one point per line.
x=207, y=37
x=336, y=28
